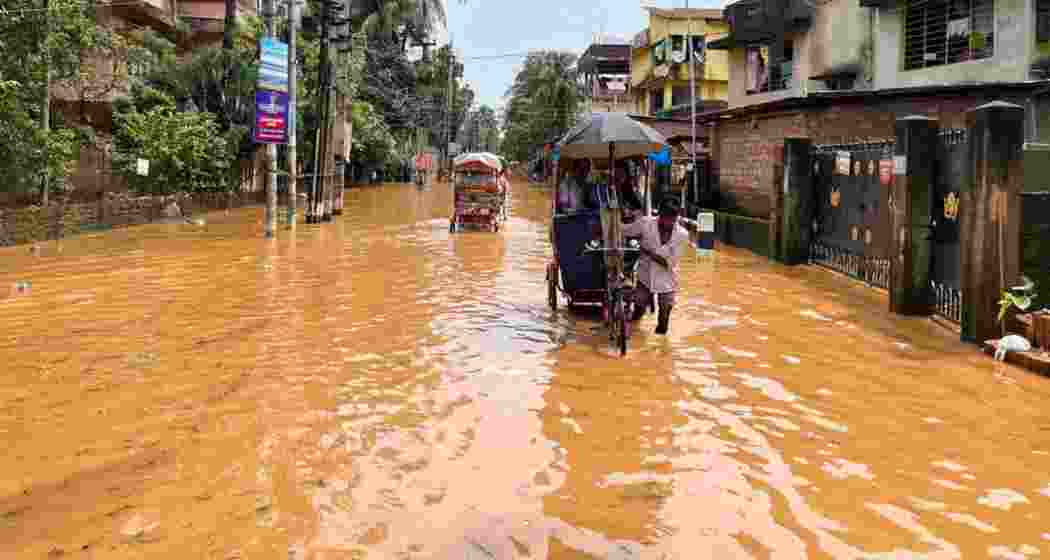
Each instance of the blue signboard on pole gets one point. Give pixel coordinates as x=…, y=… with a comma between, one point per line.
x=271, y=117
x=273, y=67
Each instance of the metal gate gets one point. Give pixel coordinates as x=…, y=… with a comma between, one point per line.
x=851, y=223
x=949, y=175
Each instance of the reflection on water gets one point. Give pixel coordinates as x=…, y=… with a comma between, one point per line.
x=380, y=386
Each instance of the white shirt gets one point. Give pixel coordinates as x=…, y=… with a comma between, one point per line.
x=655, y=276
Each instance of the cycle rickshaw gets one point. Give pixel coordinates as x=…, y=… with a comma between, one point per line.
x=592, y=265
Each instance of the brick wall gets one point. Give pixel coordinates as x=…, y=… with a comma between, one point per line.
x=60, y=219
x=748, y=149
x=748, y=153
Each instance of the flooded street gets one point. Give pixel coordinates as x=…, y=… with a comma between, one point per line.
x=379, y=388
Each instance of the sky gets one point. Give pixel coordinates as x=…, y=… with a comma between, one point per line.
x=485, y=28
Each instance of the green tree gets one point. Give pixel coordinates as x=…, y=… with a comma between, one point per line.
x=544, y=101
x=39, y=43
x=186, y=150
x=372, y=140
x=213, y=80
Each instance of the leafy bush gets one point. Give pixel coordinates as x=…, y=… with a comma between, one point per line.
x=1019, y=297
x=186, y=151
x=372, y=139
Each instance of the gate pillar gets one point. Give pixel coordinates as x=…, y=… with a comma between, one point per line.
x=990, y=215
x=797, y=211
x=910, y=208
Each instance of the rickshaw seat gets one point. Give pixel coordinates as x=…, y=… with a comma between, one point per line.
x=571, y=232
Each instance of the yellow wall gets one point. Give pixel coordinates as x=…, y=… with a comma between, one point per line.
x=641, y=64
x=717, y=66
x=713, y=84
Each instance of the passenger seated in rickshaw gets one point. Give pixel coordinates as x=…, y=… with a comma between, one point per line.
x=575, y=192
x=626, y=191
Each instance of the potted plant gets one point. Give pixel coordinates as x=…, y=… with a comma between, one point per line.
x=977, y=41
x=1019, y=297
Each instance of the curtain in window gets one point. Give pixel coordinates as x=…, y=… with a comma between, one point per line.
x=757, y=69
x=678, y=51
x=679, y=96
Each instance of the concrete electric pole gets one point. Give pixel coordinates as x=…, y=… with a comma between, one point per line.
x=293, y=165
x=692, y=107
x=271, y=149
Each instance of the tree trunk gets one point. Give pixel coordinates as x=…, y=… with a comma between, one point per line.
x=229, y=24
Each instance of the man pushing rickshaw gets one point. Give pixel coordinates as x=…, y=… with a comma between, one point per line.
x=585, y=227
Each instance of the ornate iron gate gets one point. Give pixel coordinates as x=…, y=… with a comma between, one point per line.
x=949, y=176
x=851, y=222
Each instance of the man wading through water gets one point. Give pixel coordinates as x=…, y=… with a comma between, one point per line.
x=661, y=242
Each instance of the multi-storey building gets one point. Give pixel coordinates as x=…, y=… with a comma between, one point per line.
x=790, y=48
x=844, y=71
x=660, y=62
x=605, y=75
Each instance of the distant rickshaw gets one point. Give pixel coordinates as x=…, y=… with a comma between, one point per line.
x=479, y=192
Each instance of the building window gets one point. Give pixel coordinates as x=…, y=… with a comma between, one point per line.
x=656, y=101
x=679, y=96
x=678, y=50
x=840, y=83
x=938, y=32
x=660, y=53
x=765, y=75
x=1042, y=21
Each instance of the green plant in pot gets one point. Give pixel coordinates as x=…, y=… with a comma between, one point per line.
x=977, y=41
x=1017, y=297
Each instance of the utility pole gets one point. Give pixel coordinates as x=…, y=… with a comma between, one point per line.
x=271, y=149
x=448, y=115
x=692, y=105
x=348, y=108
x=338, y=120
x=45, y=117
x=293, y=167
x=333, y=114
x=316, y=212
x=341, y=23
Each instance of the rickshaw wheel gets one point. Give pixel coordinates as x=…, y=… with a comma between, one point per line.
x=552, y=287
x=619, y=324
x=623, y=336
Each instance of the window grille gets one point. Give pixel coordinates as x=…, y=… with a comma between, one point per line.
x=1042, y=25
x=767, y=75
x=938, y=32
x=840, y=83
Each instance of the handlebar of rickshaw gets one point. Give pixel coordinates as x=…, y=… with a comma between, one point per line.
x=617, y=250
x=613, y=250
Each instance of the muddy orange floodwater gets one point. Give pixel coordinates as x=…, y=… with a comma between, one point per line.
x=377, y=387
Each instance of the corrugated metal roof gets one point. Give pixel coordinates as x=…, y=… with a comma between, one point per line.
x=686, y=13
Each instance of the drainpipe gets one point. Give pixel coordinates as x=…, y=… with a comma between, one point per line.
x=870, y=63
x=1033, y=120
